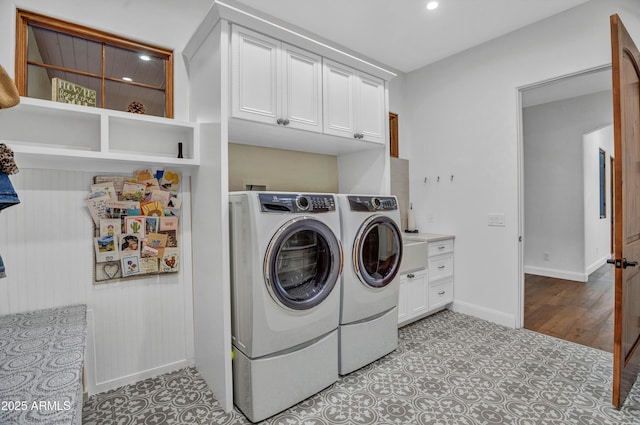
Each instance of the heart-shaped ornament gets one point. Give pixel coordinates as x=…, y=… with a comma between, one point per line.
x=111, y=269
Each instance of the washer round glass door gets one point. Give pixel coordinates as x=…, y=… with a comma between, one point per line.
x=377, y=251
x=302, y=263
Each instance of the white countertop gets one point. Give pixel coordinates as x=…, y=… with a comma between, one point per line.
x=429, y=237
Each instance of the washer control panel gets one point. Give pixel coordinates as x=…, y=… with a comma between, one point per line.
x=297, y=202
x=373, y=203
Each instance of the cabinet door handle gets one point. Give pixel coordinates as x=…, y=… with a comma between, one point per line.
x=285, y=122
x=411, y=275
x=441, y=267
x=280, y=121
x=441, y=293
x=355, y=136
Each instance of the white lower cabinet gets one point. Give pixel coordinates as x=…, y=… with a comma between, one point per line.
x=440, y=293
x=427, y=290
x=413, y=299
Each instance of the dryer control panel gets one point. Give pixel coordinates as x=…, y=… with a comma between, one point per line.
x=373, y=203
x=297, y=203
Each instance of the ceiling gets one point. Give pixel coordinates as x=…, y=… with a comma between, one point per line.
x=565, y=88
x=400, y=34
x=403, y=34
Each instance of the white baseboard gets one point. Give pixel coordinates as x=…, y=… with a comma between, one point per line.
x=597, y=264
x=111, y=384
x=558, y=274
x=484, y=313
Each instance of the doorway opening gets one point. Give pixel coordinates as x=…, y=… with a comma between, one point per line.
x=566, y=287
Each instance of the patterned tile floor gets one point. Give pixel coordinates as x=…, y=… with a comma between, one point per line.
x=449, y=369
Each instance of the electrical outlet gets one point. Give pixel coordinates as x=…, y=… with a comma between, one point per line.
x=546, y=256
x=496, y=220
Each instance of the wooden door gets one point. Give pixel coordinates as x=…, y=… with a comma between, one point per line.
x=626, y=124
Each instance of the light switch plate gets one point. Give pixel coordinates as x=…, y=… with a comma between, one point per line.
x=496, y=220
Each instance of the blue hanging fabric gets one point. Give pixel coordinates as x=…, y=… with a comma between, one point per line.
x=8, y=195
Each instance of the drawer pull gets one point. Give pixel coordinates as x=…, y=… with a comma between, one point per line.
x=441, y=247
x=441, y=267
x=411, y=275
x=441, y=293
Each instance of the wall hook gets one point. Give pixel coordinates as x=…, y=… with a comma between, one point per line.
x=425, y=179
x=451, y=177
x=438, y=179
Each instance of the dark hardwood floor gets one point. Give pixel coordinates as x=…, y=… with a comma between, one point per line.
x=581, y=312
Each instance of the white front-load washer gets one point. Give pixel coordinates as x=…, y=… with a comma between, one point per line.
x=371, y=238
x=286, y=261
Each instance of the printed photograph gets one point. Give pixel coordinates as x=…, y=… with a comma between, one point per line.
x=110, y=227
x=135, y=224
x=172, y=239
x=130, y=243
x=130, y=265
x=151, y=224
x=106, y=248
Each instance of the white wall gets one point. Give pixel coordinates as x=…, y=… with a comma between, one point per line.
x=273, y=168
x=138, y=328
x=597, y=231
x=463, y=113
x=554, y=183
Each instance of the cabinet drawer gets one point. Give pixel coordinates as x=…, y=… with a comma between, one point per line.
x=440, y=293
x=440, y=266
x=440, y=247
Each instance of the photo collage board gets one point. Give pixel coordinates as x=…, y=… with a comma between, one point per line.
x=136, y=222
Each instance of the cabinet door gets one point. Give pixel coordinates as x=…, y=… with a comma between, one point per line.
x=301, y=89
x=370, y=120
x=413, y=299
x=338, y=95
x=254, y=76
x=418, y=293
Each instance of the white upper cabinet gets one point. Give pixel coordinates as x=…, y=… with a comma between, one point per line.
x=370, y=108
x=354, y=104
x=273, y=82
x=301, y=88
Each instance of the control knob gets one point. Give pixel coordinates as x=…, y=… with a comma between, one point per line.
x=302, y=202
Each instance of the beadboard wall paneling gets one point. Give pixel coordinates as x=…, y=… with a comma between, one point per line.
x=137, y=328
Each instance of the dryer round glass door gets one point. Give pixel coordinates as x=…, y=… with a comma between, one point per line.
x=377, y=251
x=302, y=263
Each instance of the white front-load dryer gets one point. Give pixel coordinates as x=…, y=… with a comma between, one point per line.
x=372, y=240
x=286, y=261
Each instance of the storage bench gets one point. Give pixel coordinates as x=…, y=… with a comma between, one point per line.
x=41, y=361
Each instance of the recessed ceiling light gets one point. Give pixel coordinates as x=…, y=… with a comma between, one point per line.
x=127, y=78
x=432, y=5
x=145, y=57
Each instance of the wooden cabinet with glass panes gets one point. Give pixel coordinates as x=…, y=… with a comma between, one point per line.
x=96, y=97
x=69, y=63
